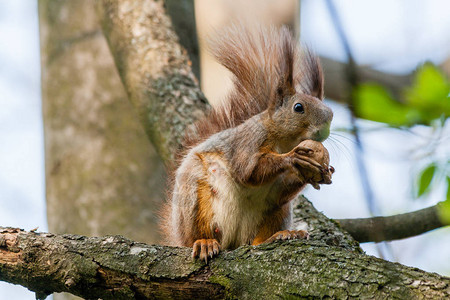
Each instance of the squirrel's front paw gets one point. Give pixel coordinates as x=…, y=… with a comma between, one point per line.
x=303, y=162
x=309, y=170
x=205, y=248
x=288, y=235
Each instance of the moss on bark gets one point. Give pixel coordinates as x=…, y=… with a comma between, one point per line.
x=113, y=267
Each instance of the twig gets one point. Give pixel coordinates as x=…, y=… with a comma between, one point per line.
x=378, y=229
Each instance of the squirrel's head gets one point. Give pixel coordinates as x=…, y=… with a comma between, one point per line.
x=296, y=108
x=301, y=117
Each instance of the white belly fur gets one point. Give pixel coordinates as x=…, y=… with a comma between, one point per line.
x=238, y=210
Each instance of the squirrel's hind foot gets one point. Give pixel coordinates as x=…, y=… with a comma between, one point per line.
x=288, y=235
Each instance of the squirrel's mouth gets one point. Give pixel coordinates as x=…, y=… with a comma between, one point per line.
x=321, y=134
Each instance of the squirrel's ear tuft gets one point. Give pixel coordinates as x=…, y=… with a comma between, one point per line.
x=287, y=61
x=310, y=76
x=287, y=55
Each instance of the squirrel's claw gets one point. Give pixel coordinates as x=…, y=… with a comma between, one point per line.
x=327, y=175
x=205, y=248
x=302, y=162
x=303, y=150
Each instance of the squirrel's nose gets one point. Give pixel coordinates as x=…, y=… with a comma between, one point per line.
x=327, y=115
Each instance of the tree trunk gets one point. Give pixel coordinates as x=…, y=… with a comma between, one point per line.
x=102, y=174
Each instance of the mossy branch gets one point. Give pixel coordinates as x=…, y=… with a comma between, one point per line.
x=113, y=267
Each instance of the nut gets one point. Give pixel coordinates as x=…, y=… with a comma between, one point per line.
x=320, y=153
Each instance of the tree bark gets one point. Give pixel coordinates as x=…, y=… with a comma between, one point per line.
x=117, y=268
x=182, y=14
x=154, y=69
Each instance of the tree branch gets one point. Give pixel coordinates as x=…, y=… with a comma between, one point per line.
x=336, y=87
x=154, y=69
x=378, y=229
x=182, y=14
x=336, y=79
x=321, y=228
x=116, y=268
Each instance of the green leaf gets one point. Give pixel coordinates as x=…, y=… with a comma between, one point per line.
x=429, y=93
x=425, y=179
x=373, y=102
x=444, y=207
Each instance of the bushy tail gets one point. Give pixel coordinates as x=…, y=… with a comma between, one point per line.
x=263, y=60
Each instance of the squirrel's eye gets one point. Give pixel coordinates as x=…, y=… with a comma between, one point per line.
x=298, y=107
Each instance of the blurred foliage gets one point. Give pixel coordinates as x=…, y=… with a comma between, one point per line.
x=425, y=178
x=422, y=103
x=432, y=175
x=448, y=188
x=425, y=102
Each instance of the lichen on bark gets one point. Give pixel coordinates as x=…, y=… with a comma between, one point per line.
x=113, y=267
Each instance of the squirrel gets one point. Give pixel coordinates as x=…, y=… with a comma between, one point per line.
x=244, y=161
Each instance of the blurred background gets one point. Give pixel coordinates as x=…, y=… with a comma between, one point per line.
x=391, y=37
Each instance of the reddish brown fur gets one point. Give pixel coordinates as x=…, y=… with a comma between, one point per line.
x=271, y=224
x=270, y=165
x=204, y=212
x=204, y=209
x=267, y=66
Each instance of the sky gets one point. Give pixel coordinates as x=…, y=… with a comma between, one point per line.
x=22, y=192
x=392, y=36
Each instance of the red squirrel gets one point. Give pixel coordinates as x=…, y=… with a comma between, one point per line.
x=244, y=162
